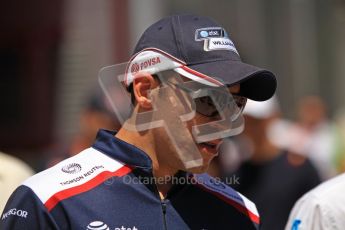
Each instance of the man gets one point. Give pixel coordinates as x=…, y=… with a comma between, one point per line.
x=117, y=183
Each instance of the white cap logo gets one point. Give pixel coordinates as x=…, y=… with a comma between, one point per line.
x=153, y=61
x=97, y=225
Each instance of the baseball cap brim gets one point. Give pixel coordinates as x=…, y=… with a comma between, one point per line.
x=256, y=83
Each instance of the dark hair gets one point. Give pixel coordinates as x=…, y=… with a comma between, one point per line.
x=131, y=91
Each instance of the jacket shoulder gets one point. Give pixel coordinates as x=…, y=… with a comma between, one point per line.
x=228, y=195
x=73, y=176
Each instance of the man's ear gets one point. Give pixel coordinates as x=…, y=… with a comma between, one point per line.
x=143, y=82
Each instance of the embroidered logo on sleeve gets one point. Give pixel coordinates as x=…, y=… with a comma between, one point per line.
x=15, y=212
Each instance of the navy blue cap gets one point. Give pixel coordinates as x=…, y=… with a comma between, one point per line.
x=206, y=48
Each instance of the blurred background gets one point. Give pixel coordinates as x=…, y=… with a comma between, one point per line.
x=51, y=52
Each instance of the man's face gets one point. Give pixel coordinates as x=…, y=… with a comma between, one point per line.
x=208, y=150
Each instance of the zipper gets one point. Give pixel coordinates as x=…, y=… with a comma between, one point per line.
x=163, y=204
x=164, y=209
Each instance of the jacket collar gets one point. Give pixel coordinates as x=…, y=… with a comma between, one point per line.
x=120, y=150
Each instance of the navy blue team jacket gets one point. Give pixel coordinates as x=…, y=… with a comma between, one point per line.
x=110, y=186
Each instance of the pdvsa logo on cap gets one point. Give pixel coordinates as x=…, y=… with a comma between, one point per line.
x=144, y=64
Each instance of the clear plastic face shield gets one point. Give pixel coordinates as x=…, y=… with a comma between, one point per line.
x=176, y=104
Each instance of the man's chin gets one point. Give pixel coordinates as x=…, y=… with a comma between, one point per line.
x=199, y=166
x=198, y=170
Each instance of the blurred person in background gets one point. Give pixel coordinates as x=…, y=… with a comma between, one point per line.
x=12, y=173
x=339, y=136
x=273, y=178
x=96, y=115
x=312, y=136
